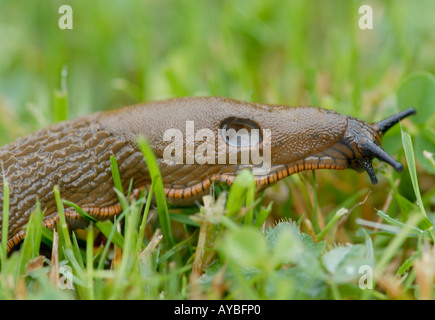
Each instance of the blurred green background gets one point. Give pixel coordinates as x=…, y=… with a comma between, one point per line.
x=290, y=52
x=283, y=52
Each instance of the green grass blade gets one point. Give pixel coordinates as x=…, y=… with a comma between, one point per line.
x=89, y=261
x=407, y=264
x=401, y=225
x=115, y=174
x=315, y=204
x=250, y=200
x=410, y=158
x=145, y=217
x=162, y=207
x=62, y=220
x=32, y=241
x=338, y=215
x=242, y=191
x=5, y=222
x=80, y=211
x=176, y=248
x=395, y=244
x=108, y=228
x=109, y=237
x=76, y=251
x=129, y=256
x=104, y=226
x=60, y=106
x=262, y=215
x=184, y=218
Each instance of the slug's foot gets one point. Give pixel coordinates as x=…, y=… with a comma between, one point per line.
x=74, y=220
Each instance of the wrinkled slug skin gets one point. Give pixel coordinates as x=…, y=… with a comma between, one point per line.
x=75, y=155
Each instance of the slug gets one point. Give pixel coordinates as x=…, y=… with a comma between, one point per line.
x=75, y=155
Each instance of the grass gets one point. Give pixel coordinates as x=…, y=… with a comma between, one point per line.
x=306, y=237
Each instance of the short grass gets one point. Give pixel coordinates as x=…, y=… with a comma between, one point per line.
x=328, y=235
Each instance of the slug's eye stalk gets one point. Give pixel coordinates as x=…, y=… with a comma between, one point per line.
x=386, y=124
x=364, y=139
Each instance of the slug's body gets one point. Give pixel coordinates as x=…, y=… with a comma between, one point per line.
x=75, y=155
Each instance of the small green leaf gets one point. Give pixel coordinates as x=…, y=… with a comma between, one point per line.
x=310, y=247
x=246, y=247
x=288, y=245
x=343, y=263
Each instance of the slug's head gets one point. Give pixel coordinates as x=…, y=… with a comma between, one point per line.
x=364, y=141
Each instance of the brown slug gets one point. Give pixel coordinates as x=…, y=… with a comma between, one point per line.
x=75, y=155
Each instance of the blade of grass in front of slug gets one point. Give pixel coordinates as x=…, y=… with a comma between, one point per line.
x=262, y=215
x=110, y=237
x=128, y=253
x=115, y=173
x=5, y=221
x=410, y=158
x=78, y=273
x=80, y=211
x=242, y=191
x=107, y=227
x=162, y=207
x=250, y=200
x=104, y=226
x=76, y=250
x=89, y=261
x=32, y=241
x=145, y=217
x=62, y=220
